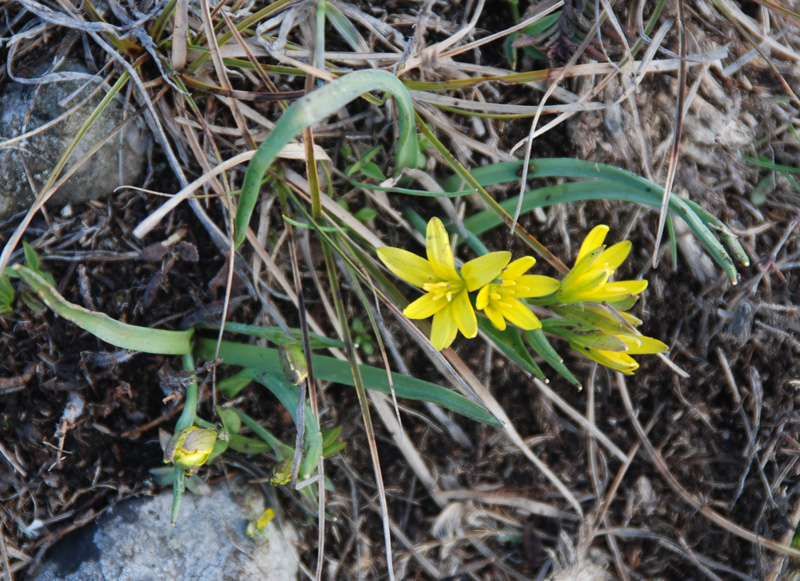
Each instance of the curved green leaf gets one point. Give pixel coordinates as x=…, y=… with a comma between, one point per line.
x=315, y=107
x=102, y=326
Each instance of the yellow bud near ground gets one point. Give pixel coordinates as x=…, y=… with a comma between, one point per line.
x=190, y=448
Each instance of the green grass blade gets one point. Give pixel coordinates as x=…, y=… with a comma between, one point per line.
x=313, y=108
x=539, y=343
x=278, y=336
x=103, y=327
x=281, y=450
x=623, y=190
x=330, y=369
x=510, y=343
x=505, y=172
x=288, y=395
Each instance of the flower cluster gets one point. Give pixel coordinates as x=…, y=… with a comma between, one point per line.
x=605, y=335
x=500, y=287
x=590, y=306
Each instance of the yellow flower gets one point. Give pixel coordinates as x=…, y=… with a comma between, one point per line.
x=190, y=448
x=500, y=300
x=446, y=295
x=607, y=336
x=588, y=279
x=618, y=351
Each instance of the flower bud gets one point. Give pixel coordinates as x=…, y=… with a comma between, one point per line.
x=282, y=473
x=189, y=449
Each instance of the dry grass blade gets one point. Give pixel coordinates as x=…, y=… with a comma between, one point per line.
x=677, y=132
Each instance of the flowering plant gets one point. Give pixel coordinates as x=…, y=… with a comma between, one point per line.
x=589, y=305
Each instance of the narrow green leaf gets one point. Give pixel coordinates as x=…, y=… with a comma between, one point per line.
x=247, y=445
x=278, y=336
x=510, y=343
x=313, y=108
x=230, y=420
x=287, y=394
x=539, y=343
x=281, y=450
x=231, y=386
x=104, y=327
x=330, y=369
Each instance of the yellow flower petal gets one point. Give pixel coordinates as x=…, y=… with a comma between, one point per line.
x=496, y=317
x=406, y=265
x=518, y=267
x=483, y=298
x=582, y=267
x=585, y=288
x=443, y=329
x=593, y=241
x=620, y=361
x=535, y=285
x=647, y=345
x=521, y=315
x=463, y=315
x=616, y=255
x=437, y=246
x=425, y=306
x=616, y=291
x=480, y=271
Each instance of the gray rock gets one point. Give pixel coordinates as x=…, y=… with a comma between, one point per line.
x=26, y=107
x=136, y=542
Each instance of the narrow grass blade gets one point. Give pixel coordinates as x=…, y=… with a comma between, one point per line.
x=626, y=188
x=539, y=343
x=278, y=336
x=330, y=369
x=288, y=394
x=281, y=450
x=315, y=107
x=103, y=327
x=510, y=343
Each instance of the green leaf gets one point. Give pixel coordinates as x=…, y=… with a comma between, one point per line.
x=313, y=108
x=104, y=327
x=6, y=295
x=510, y=343
x=371, y=170
x=281, y=450
x=606, y=183
x=247, y=445
x=230, y=420
x=278, y=336
x=288, y=395
x=539, y=343
x=330, y=443
x=330, y=369
x=231, y=386
x=365, y=214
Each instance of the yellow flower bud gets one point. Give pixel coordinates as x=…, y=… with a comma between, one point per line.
x=282, y=473
x=190, y=448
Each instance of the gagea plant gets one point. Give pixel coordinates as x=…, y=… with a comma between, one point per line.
x=587, y=304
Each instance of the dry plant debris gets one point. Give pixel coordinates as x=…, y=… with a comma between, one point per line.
x=686, y=470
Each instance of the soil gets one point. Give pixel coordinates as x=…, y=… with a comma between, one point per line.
x=724, y=436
